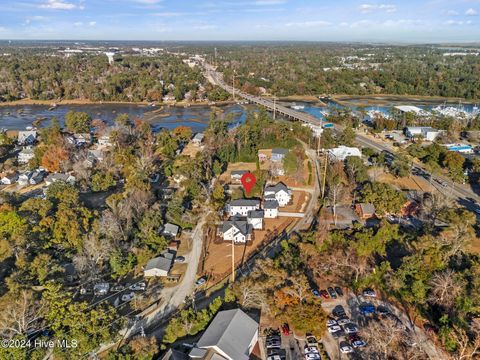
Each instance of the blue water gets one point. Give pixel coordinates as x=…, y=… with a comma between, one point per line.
x=197, y=117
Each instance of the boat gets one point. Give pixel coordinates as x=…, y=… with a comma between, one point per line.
x=54, y=106
x=297, y=107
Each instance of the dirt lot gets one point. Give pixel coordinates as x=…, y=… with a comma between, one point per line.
x=219, y=261
x=299, y=201
x=408, y=183
x=225, y=177
x=191, y=150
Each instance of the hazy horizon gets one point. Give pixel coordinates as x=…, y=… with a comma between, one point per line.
x=409, y=22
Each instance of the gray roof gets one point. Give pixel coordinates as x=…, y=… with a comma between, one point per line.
x=239, y=172
x=280, y=151
x=242, y=226
x=173, y=354
x=271, y=204
x=171, y=229
x=256, y=214
x=245, y=202
x=27, y=135
x=198, y=136
x=367, y=208
x=159, y=263
x=232, y=331
x=276, y=188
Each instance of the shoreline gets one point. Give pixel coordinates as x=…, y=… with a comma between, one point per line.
x=32, y=102
x=385, y=99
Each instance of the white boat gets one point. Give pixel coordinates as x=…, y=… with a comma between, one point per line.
x=297, y=107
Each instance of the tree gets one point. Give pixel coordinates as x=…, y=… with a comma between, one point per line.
x=102, y=181
x=78, y=122
x=20, y=312
x=347, y=137
x=453, y=162
x=385, y=198
x=53, y=157
x=327, y=141
x=356, y=169
x=183, y=133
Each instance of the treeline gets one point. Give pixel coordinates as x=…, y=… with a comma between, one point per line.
x=313, y=69
x=130, y=78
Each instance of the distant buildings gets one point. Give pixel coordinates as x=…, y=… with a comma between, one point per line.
x=53, y=178
x=9, y=179
x=405, y=109
x=27, y=137
x=25, y=155
x=232, y=335
x=342, y=152
x=278, y=154
x=236, y=175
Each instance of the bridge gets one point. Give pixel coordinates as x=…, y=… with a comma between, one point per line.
x=217, y=79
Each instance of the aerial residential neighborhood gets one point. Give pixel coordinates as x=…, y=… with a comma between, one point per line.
x=226, y=180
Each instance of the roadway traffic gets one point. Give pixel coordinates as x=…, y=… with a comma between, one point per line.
x=467, y=197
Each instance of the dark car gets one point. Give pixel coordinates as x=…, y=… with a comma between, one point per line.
x=383, y=310
x=332, y=293
x=286, y=329
x=315, y=293
x=366, y=308
x=180, y=259
x=324, y=294
x=339, y=311
x=339, y=291
x=338, y=334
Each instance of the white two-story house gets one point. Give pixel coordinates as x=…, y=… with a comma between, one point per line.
x=255, y=218
x=238, y=231
x=242, y=206
x=279, y=192
x=270, y=207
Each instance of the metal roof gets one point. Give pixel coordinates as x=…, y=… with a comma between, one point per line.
x=232, y=332
x=245, y=202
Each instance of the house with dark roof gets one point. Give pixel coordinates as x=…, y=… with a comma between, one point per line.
x=159, y=266
x=365, y=211
x=232, y=335
x=171, y=230
x=236, y=230
x=278, y=154
x=27, y=137
x=242, y=206
x=255, y=218
x=270, y=207
x=279, y=192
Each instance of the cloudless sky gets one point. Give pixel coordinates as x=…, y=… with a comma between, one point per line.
x=315, y=20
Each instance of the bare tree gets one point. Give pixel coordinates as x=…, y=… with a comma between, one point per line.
x=468, y=344
x=445, y=288
x=19, y=313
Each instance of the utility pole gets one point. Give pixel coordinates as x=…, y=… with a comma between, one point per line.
x=233, y=85
x=324, y=176
x=233, y=261
x=274, y=107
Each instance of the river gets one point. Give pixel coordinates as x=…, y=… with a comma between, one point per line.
x=197, y=117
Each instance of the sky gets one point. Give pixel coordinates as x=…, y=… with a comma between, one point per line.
x=407, y=21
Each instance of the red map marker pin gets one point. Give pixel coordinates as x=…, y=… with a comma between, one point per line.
x=248, y=181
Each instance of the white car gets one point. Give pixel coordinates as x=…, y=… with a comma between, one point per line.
x=343, y=321
x=274, y=357
x=369, y=293
x=331, y=322
x=334, y=328
x=141, y=286
x=311, y=350
x=345, y=348
x=312, y=357
x=350, y=329
x=128, y=297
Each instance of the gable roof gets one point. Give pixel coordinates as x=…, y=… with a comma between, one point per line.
x=245, y=202
x=276, y=188
x=255, y=214
x=367, y=208
x=279, y=151
x=159, y=263
x=239, y=172
x=271, y=204
x=232, y=332
x=198, y=137
x=27, y=135
x=242, y=226
x=171, y=229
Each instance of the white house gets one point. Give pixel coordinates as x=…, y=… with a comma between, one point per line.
x=405, y=109
x=238, y=231
x=242, y=206
x=104, y=141
x=232, y=335
x=279, y=192
x=425, y=132
x=27, y=137
x=236, y=175
x=198, y=138
x=270, y=208
x=342, y=152
x=255, y=218
x=52, y=178
x=9, y=179
x=159, y=266
x=24, y=178
x=26, y=155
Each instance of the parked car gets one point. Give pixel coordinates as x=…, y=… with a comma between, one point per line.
x=101, y=289
x=128, y=297
x=311, y=356
x=332, y=292
x=274, y=357
x=315, y=293
x=358, y=343
x=350, y=328
x=311, y=340
x=369, y=293
x=334, y=328
x=311, y=349
x=345, y=347
x=201, y=281
x=179, y=259
x=339, y=291
x=286, y=329
x=141, y=286
x=324, y=294
x=85, y=291
x=331, y=322
x=338, y=311
x=338, y=334
x=273, y=344
x=383, y=310
x=343, y=320
x=117, y=288
x=367, y=308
